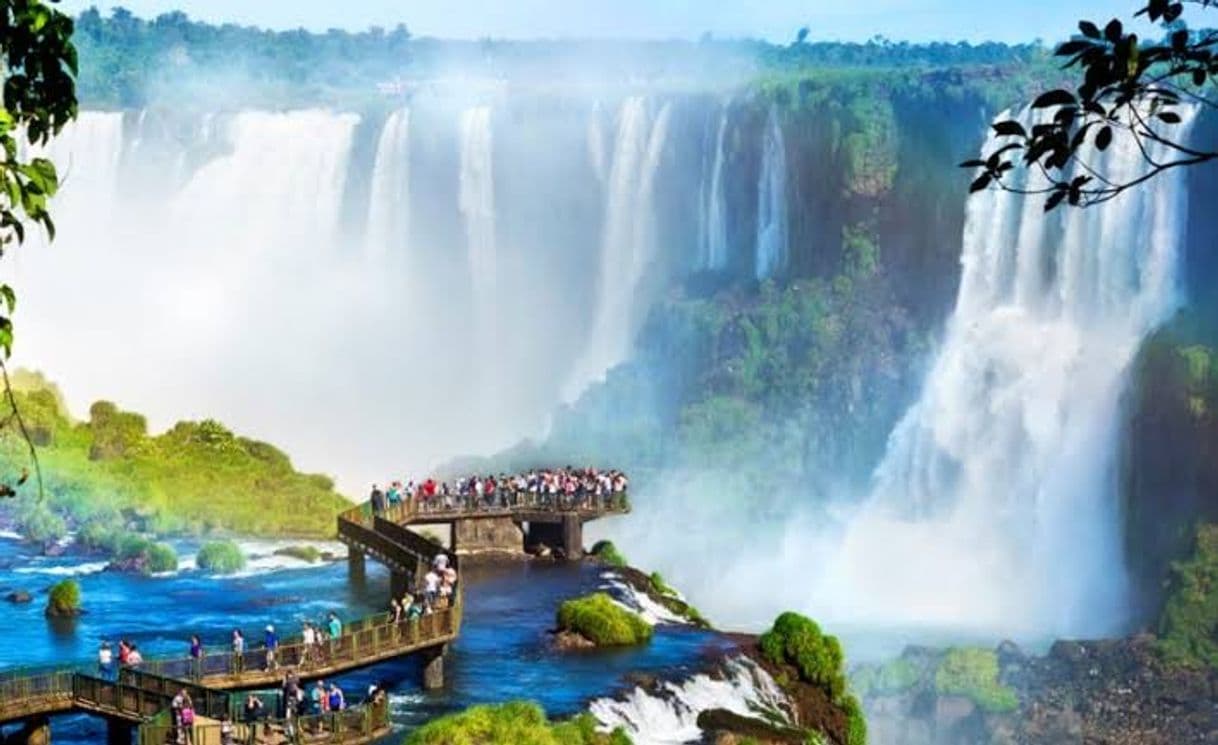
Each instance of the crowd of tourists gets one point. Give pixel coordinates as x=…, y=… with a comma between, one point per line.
x=562, y=488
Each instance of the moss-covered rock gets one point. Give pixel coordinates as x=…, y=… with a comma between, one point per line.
x=606, y=552
x=221, y=557
x=64, y=599
x=810, y=667
x=972, y=672
x=520, y=722
x=603, y=622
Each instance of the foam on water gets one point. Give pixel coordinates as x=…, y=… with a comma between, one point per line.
x=671, y=715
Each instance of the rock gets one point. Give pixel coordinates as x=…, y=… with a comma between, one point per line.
x=1067, y=651
x=541, y=551
x=951, y=711
x=18, y=596
x=1009, y=652
x=566, y=641
x=329, y=556
x=133, y=565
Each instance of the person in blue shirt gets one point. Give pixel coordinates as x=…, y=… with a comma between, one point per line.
x=272, y=644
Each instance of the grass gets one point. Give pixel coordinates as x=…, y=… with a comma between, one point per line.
x=64, y=599
x=221, y=557
x=972, y=672
x=195, y=478
x=603, y=621
x=517, y=722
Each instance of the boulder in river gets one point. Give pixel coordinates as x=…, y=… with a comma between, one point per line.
x=18, y=597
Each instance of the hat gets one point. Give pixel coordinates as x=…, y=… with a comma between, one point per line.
x=270, y=627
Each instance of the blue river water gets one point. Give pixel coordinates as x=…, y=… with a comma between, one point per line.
x=502, y=652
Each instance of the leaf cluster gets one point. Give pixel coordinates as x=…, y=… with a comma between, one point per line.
x=1129, y=88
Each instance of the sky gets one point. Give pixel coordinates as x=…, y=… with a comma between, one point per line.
x=776, y=20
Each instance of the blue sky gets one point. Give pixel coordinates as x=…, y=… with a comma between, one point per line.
x=777, y=20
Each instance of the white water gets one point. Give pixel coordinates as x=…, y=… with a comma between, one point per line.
x=651, y=719
x=772, y=239
x=712, y=227
x=638, y=602
x=476, y=199
x=996, y=504
x=628, y=243
x=245, y=267
x=389, y=203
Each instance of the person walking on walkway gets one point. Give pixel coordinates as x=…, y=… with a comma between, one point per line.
x=196, y=656
x=105, y=661
x=238, y=651
x=272, y=645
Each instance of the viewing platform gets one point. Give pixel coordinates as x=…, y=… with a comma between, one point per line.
x=136, y=702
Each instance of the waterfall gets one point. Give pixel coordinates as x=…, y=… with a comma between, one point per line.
x=389, y=202
x=712, y=225
x=627, y=242
x=477, y=203
x=996, y=503
x=772, y=202
x=670, y=714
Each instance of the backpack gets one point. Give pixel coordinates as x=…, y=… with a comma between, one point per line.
x=188, y=716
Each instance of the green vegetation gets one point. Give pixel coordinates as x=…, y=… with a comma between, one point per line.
x=1188, y=630
x=520, y=722
x=657, y=581
x=64, y=599
x=221, y=557
x=608, y=553
x=798, y=641
x=108, y=476
x=603, y=621
x=893, y=677
x=972, y=672
x=310, y=554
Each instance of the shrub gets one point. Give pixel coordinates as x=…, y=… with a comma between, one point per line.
x=221, y=557
x=64, y=599
x=310, y=554
x=1188, y=628
x=893, y=677
x=161, y=558
x=972, y=672
x=521, y=722
x=603, y=621
x=797, y=640
x=662, y=587
x=608, y=553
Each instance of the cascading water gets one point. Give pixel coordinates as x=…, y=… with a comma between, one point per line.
x=995, y=505
x=712, y=226
x=477, y=203
x=772, y=202
x=389, y=203
x=628, y=240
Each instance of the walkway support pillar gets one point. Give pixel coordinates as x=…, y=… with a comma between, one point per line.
x=119, y=733
x=37, y=731
x=433, y=668
x=572, y=537
x=356, y=569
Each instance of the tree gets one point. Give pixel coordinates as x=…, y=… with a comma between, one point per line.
x=39, y=99
x=1129, y=89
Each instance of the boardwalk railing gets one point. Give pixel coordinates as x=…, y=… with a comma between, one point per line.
x=502, y=503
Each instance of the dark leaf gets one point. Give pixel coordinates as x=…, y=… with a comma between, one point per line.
x=972, y=164
x=980, y=183
x=1170, y=117
x=1057, y=97
x=1089, y=29
x=1054, y=199
x=1103, y=139
x=1113, y=31
x=1072, y=47
x=1010, y=128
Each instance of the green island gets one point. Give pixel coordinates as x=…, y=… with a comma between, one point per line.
x=120, y=487
x=64, y=599
x=600, y=620
x=512, y=722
